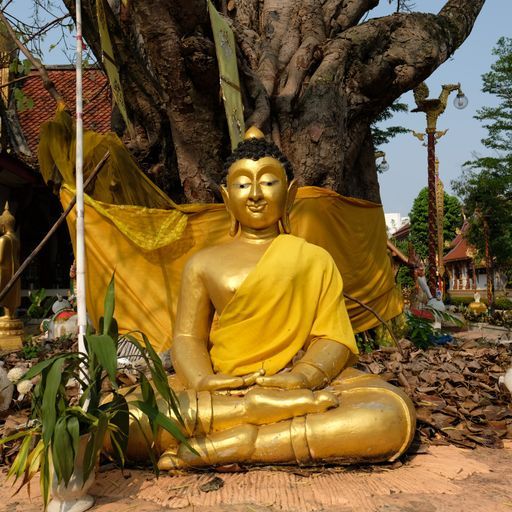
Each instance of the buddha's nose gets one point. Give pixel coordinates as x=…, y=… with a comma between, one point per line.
x=256, y=192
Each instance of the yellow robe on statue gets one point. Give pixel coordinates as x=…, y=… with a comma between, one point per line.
x=292, y=297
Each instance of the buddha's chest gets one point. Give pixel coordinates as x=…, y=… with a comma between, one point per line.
x=228, y=276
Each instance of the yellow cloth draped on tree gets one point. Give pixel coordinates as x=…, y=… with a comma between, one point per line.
x=292, y=297
x=148, y=280
x=133, y=227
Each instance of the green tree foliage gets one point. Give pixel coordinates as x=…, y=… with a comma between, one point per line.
x=404, y=276
x=485, y=185
x=384, y=135
x=498, y=119
x=487, y=196
x=419, y=221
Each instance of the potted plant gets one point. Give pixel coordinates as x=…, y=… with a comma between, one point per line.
x=63, y=440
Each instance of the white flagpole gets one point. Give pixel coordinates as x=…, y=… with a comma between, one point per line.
x=80, y=234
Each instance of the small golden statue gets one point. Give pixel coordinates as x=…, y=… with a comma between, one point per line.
x=263, y=342
x=11, y=329
x=476, y=306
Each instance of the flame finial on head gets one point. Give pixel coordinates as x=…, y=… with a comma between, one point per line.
x=253, y=133
x=7, y=217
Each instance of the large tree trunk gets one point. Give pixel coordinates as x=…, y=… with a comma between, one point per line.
x=313, y=78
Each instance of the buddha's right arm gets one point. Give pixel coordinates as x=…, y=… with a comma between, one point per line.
x=194, y=368
x=189, y=349
x=192, y=327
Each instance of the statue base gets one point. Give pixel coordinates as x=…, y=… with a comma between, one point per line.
x=478, y=307
x=11, y=334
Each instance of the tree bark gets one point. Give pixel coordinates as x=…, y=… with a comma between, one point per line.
x=314, y=77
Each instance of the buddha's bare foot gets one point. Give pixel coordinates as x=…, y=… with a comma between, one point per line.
x=264, y=406
x=232, y=445
x=169, y=460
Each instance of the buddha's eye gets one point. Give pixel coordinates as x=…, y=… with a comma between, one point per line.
x=270, y=183
x=242, y=185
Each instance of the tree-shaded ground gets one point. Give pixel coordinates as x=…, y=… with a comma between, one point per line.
x=455, y=389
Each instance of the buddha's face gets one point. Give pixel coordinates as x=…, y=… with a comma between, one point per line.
x=257, y=192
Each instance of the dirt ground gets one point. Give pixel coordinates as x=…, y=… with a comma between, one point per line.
x=445, y=478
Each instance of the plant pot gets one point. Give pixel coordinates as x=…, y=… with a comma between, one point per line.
x=73, y=497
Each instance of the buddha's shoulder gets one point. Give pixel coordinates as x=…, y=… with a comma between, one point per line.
x=204, y=258
x=311, y=249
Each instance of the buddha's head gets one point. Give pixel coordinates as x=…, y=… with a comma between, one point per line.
x=260, y=188
x=7, y=220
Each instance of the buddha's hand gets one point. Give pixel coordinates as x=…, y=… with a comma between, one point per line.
x=284, y=381
x=219, y=381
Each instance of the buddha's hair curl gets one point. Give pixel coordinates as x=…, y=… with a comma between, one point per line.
x=254, y=149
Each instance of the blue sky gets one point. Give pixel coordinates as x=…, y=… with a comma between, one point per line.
x=405, y=154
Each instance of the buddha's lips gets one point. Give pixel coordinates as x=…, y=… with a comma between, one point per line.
x=257, y=207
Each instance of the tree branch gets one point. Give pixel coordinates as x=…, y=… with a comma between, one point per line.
x=339, y=15
x=461, y=15
x=247, y=14
x=388, y=56
x=312, y=35
x=48, y=84
x=275, y=19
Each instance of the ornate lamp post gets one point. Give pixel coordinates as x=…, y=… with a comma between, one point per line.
x=383, y=165
x=433, y=108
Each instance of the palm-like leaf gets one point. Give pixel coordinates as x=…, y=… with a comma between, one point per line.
x=59, y=426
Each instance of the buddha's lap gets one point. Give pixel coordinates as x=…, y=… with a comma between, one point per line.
x=373, y=419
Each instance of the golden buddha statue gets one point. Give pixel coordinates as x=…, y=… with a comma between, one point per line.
x=263, y=343
x=11, y=329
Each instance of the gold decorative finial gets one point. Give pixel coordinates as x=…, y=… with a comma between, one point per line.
x=253, y=133
x=7, y=218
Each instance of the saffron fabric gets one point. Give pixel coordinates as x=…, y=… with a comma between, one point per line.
x=132, y=227
x=148, y=273
x=292, y=297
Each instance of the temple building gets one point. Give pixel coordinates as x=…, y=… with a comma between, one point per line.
x=25, y=105
x=467, y=274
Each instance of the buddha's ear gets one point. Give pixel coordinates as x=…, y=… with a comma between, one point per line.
x=225, y=195
x=292, y=193
x=234, y=224
x=285, y=219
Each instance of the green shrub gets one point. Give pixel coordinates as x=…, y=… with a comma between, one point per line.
x=463, y=301
x=501, y=319
x=51, y=438
x=502, y=303
x=475, y=317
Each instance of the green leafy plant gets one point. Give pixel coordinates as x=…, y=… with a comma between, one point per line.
x=463, y=301
x=452, y=219
x=503, y=303
x=23, y=102
x=31, y=348
x=57, y=424
x=475, y=316
x=40, y=304
x=421, y=331
x=445, y=317
x=365, y=342
x=501, y=319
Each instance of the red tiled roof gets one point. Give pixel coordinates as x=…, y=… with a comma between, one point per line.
x=459, y=252
x=459, y=247
x=402, y=233
x=97, y=101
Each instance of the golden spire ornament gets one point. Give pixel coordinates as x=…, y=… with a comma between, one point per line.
x=253, y=133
